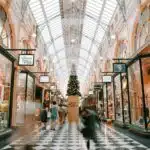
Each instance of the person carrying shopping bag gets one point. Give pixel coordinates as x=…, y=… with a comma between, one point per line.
x=88, y=118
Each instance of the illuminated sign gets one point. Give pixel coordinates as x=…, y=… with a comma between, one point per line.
x=44, y=79
x=107, y=79
x=26, y=60
x=119, y=67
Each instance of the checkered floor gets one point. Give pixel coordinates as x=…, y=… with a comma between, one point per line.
x=69, y=138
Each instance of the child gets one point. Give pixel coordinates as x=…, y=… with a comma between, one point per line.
x=43, y=117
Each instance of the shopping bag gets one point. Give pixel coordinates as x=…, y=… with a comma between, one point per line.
x=48, y=114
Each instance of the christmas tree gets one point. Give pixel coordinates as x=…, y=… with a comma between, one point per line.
x=73, y=84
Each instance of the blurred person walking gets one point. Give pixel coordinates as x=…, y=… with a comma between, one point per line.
x=54, y=115
x=89, y=120
x=61, y=113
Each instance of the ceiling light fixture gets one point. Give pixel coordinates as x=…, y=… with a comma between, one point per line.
x=113, y=37
x=101, y=58
x=34, y=35
x=73, y=40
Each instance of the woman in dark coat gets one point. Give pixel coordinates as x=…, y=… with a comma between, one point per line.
x=89, y=121
x=43, y=117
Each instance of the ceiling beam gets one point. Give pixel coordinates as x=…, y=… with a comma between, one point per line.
x=49, y=30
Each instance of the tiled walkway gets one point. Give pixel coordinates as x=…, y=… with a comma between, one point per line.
x=69, y=138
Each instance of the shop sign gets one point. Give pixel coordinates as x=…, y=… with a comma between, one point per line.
x=107, y=79
x=119, y=67
x=26, y=60
x=90, y=92
x=44, y=79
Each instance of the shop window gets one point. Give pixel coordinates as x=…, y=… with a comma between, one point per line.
x=125, y=98
x=105, y=101
x=5, y=33
x=142, y=32
x=146, y=78
x=118, y=98
x=5, y=88
x=25, y=97
x=110, y=101
x=21, y=88
x=135, y=93
x=148, y=71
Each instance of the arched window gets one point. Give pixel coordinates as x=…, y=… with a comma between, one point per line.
x=142, y=32
x=4, y=29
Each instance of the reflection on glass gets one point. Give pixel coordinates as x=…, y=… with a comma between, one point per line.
x=30, y=105
x=125, y=98
x=146, y=78
x=118, y=100
x=135, y=93
x=5, y=84
x=110, y=101
x=105, y=101
x=21, y=98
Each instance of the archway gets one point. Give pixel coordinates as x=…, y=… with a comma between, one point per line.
x=7, y=27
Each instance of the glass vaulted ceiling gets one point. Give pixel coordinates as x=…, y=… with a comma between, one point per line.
x=48, y=18
x=98, y=14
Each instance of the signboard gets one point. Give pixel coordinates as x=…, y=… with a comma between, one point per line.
x=119, y=67
x=106, y=79
x=26, y=60
x=44, y=79
x=90, y=92
x=97, y=85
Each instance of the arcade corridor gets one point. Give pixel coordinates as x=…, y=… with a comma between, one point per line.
x=71, y=63
x=69, y=138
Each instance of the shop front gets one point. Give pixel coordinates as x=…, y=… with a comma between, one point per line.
x=25, y=97
x=6, y=69
x=139, y=92
x=6, y=88
x=121, y=101
x=139, y=73
x=108, y=101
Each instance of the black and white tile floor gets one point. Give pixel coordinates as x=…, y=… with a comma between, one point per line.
x=69, y=138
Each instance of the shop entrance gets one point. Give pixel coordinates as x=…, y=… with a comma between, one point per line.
x=6, y=88
x=38, y=97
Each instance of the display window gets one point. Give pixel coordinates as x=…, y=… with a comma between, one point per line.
x=146, y=80
x=118, y=98
x=30, y=103
x=110, y=102
x=125, y=98
x=135, y=93
x=5, y=90
x=25, y=97
x=21, y=89
x=105, y=101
